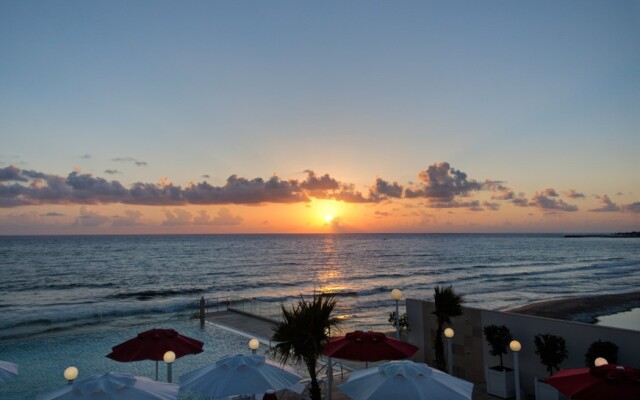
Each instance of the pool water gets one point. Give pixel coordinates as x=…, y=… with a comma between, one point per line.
x=41, y=362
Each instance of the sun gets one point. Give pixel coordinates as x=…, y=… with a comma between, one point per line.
x=326, y=213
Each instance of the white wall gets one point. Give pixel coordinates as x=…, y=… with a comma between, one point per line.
x=578, y=338
x=469, y=362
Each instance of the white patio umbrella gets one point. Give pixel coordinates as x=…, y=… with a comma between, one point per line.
x=405, y=380
x=114, y=386
x=238, y=375
x=8, y=371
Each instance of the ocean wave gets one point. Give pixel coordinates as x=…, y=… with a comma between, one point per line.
x=65, y=286
x=87, y=316
x=150, y=294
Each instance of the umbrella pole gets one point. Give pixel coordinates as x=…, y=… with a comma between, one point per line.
x=329, y=379
x=156, y=370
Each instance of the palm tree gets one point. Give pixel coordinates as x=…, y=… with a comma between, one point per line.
x=303, y=332
x=448, y=304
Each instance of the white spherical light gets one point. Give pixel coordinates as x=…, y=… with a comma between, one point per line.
x=448, y=332
x=600, y=361
x=169, y=357
x=515, y=345
x=396, y=294
x=71, y=373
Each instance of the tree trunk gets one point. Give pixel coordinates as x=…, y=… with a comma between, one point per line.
x=439, y=349
x=314, y=389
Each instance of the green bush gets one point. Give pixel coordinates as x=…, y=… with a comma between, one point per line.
x=403, y=321
x=552, y=351
x=608, y=350
x=498, y=337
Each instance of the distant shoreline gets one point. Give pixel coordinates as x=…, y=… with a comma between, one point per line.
x=581, y=309
x=633, y=234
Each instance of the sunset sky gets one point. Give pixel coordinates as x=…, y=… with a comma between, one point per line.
x=124, y=117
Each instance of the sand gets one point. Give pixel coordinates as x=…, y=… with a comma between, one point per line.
x=582, y=309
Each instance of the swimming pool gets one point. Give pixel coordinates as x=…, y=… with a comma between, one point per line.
x=41, y=362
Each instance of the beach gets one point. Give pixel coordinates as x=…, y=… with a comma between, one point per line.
x=582, y=308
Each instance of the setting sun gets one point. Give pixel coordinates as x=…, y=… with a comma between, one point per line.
x=328, y=218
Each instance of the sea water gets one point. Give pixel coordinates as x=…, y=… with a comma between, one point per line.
x=68, y=300
x=62, y=284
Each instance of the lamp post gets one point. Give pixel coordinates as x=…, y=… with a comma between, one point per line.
x=169, y=357
x=396, y=294
x=253, y=345
x=70, y=374
x=600, y=361
x=448, y=333
x=515, y=346
x=329, y=379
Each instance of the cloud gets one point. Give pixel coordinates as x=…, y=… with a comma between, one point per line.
x=500, y=192
x=177, y=217
x=338, y=226
x=384, y=189
x=440, y=186
x=441, y=183
x=30, y=218
x=224, y=217
x=86, y=156
x=520, y=201
x=243, y=191
x=90, y=219
x=545, y=202
x=572, y=194
x=130, y=218
x=84, y=188
x=350, y=195
x=607, y=205
x=475, y=204
x=52, y=214
x=633, y=207
x=24, y=187
x=154, y=195
x=78, y=188
x=491, y=206
x=313, y=183
x=206, y=176
x=326, y=187
x=130, y=160
x=11, y=173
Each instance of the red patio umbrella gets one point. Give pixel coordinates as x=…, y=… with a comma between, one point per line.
x=368, y=346
x=608, y=381
x=152, y=344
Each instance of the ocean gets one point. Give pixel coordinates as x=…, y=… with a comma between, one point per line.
x=56, y=285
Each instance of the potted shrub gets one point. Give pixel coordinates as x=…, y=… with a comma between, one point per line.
x=403, y=321
x=552, y=351
x=500, y=380
x=607, y=350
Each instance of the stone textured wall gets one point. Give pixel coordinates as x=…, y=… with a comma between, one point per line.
x=467, y=341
